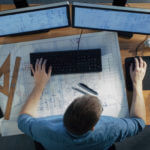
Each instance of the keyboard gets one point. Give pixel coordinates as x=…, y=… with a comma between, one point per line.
x=73, y=61
x=146, y=81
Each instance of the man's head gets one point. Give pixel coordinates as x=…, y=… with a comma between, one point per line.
x=82, y=114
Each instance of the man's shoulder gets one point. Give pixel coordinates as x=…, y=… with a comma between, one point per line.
x=49, y=121
x=108, y=127
x=117, y=119
x=114, y=122
x=51, y=118
x=108, y=119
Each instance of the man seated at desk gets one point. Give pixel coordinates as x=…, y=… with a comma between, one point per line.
x=82, y=127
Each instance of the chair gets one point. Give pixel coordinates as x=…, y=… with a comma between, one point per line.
x=38, y=146
x=112, y=147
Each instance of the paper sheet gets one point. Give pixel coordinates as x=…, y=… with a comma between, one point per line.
x=58, y=93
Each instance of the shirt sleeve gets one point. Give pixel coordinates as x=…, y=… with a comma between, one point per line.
x=128, y=127
x=26, y=124
x=33, y=127
x=38, y=128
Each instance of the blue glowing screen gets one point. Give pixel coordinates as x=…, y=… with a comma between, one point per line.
x=32, y=21
x=112, y=20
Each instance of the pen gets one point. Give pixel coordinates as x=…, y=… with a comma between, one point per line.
x=87, y=88
x=76, y=89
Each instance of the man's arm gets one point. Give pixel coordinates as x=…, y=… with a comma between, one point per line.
x=41, y=78
x=137, y=76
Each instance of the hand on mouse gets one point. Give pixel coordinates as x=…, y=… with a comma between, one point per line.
x=137, y=75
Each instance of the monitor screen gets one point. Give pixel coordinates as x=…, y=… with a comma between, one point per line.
x=109, y=19
x=22, y=22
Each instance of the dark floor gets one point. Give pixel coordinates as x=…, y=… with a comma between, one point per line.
x=138, y=142
x=23, y=142
x=19, y=142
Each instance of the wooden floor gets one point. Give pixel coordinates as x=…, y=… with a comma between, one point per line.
x=127, y=46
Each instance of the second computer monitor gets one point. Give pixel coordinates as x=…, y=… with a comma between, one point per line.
x=111, y=18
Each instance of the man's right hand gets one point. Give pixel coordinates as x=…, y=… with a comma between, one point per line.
x=40, y=76
x=137, y=75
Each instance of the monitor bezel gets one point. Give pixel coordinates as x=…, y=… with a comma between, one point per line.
x=37, y=8
x=107, y=7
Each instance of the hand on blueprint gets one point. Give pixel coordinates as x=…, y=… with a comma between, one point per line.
x=137, y=75
x=40, y=76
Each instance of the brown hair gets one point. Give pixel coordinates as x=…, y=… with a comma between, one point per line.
x=82, y=114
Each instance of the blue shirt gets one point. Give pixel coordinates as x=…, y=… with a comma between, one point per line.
x=52, y=134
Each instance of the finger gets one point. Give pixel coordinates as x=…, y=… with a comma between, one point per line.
x=141, y=63
x=144, y=64
x=49, y=71
x=44, y=65
x=40, y=63
x=31, y=66
x=36, y=64
x=136, y=63
x=131, y=68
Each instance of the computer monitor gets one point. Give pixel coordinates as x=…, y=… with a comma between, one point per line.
x=34, y=19
x=111, y=18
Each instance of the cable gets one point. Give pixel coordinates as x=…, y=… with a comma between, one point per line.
x=140, y=44
x=127, y=5
x=79, y=39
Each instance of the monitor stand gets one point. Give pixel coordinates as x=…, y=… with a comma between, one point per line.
x=127, y=35
x=22, y=4
x=119, y=2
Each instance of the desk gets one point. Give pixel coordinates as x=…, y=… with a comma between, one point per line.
x=127, y=46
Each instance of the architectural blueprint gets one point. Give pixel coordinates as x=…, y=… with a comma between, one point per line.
x=58, y=93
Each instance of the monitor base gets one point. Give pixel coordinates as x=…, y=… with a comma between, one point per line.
x=21, y=3
x=119, y=2
x=127, y=35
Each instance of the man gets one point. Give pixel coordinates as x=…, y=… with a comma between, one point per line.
x=82, y=127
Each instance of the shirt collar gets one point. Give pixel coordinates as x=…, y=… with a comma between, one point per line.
x=78, y=136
